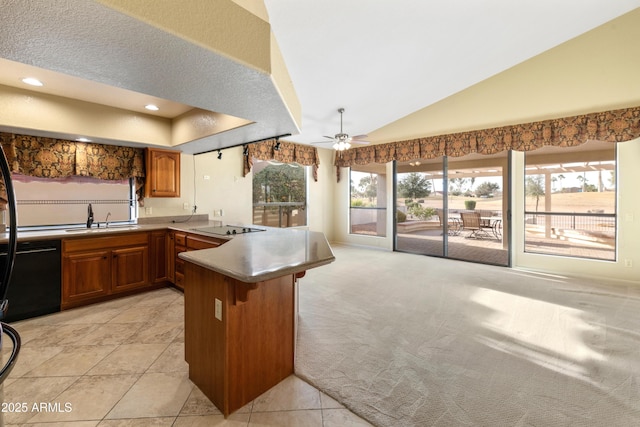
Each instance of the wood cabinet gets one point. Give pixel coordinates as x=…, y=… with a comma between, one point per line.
x=162, y=173
x=96, y=268
x=189, y=242
x=171, y=257
x=239, y=337
x=159, y=260
x=129, y=268
x=85, y=275
x=180, y=245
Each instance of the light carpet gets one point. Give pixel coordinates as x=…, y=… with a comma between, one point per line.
x=410, y=340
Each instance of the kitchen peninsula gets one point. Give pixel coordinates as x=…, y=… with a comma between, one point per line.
x=240, y=311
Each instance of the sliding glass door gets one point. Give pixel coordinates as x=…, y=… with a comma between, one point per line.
x=454, y=208
x=420, y=199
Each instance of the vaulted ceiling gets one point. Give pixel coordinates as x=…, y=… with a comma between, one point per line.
x=381, y=61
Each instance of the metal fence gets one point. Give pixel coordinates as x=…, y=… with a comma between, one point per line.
x=283, y=214
x=588, y=235
x=368, y=220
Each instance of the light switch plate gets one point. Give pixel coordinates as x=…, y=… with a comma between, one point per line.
x=218, y=309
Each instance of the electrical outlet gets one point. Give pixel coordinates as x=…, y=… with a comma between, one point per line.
x=628, y=262
x=185, y=206
x=218, y=309
x=148, y=210
x=206, y=177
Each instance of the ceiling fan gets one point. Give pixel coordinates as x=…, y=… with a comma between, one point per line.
x=342, y=141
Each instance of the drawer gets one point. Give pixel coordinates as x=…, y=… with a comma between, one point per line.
x=179, y=280
x=105, y=242
x=181, y=239
x=198, y=242
x=179, y=265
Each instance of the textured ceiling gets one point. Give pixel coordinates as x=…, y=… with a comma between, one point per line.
x=93, y=42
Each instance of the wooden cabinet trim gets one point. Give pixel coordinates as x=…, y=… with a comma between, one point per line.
x=104, y=242
x=163, y=173
x=195, y=242
x=180, y=239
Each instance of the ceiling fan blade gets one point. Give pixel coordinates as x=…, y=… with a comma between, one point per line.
x=330, y=137
x=359, y=141
x=359, y=136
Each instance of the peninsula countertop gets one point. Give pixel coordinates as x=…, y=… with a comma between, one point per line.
x=250, y=257
x=275, y=252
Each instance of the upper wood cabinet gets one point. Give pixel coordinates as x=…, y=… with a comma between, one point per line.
x=163, y=173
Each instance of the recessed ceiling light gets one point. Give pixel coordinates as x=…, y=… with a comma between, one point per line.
x=32, y=81
x=83, y=139
x=151, y=107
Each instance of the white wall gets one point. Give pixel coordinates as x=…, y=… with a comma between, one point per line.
x=226, y=189
x=341, y=214
x=628, y=209
x=321, y=196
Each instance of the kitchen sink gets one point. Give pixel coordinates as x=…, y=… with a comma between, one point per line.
x=103, y=229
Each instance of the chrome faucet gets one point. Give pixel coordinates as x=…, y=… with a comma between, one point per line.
x=106, y=220
x=89, y=216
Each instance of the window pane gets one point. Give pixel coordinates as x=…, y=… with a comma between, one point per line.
x=420, y=204
x=570, y=203
x=279, y=194
x=368, y=201
x=437, y=199
x=54, y=202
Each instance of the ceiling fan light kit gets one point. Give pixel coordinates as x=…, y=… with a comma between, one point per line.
x=342, y=141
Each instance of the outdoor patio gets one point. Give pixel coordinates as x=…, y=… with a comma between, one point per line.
x=430, y=242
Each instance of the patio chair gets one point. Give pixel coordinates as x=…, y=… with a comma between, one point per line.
x=453, y=224
x=472, y=221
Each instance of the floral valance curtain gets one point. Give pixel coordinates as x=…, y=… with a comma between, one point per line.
x=58, y=158
x=609, y=126
x=287, y=153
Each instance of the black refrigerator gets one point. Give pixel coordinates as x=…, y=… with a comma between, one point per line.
x=5, y=274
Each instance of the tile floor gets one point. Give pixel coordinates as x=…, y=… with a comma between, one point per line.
x=121, y=363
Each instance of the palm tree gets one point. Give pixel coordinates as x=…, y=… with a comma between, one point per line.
x=583, y=180
x=560, y=178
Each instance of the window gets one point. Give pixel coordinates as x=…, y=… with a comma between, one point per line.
x=439, y=201
x=570, y=201
x=368, y=201
x=46, y=202
x=279, y=194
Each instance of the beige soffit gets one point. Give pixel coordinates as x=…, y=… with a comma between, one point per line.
x=596, y=71
x=213, y=25
x=97, y=42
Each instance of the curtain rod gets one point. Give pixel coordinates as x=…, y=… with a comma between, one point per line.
x=243, y=143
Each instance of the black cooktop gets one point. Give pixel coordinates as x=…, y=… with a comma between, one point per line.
x=228, y=230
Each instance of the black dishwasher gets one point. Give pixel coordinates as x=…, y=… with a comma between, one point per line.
x=35, y=287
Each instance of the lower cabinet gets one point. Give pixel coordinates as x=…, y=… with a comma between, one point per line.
x=99, y=268
x=182, y=242
x=129, y=268
x=180, y=245
x=96, y=268
x=85, y=275
x=158, y=256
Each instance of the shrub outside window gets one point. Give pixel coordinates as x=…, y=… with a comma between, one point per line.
x=279, y=194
